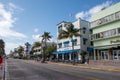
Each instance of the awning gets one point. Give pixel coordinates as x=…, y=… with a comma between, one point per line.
x=65, y=51
x=73, y=40
x=85, y=39
x=66, y=42
x=89, y=49
x=59, y=43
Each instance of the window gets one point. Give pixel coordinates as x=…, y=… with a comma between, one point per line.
x=91, y=43
x=118, y=30
x=105, y=34
x=106, y=19
x=66, y=44
x=112, y=17
x=83, y=31
x=94, y=36
x=84, y=42
x=117, y=15
x=74, y=43
x=97, y=35
x=60, y=46
x=60, y=28
x=113, y=32
x=104, y=55
x=101, y=35
x=93, y=24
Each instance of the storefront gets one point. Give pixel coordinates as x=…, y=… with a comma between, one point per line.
x=67, y=55
x=111, y=53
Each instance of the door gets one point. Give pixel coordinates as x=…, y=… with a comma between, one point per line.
x=116, y=55
x=104, y=55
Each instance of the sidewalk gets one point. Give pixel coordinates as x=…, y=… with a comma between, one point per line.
x=86, y=66
x=1, y=71
x=90, y=66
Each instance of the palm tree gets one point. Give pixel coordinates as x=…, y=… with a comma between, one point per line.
x=46, y=36
x=27, y=44
x=2, y=46
x=70, y=32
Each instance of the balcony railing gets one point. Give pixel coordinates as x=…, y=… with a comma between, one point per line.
x=69, y=48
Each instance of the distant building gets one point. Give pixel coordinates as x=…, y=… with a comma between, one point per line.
x=106, y=33
x=27, y=51
x=39, y=50
x=64, y=46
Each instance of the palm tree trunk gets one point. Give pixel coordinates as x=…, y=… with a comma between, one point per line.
x=73, y=52
x=44, y=47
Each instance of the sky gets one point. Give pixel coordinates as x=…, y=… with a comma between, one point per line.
x=24, y=21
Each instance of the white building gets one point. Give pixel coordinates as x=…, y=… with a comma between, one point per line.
x=38, y=50
x=64, y=46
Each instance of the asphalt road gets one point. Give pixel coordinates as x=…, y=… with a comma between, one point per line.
x=30, y=70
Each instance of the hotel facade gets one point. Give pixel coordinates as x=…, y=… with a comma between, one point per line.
x=64, y=46
x=105, y=36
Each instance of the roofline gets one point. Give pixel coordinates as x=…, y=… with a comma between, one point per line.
x=61, y=22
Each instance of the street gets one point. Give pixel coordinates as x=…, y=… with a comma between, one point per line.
x=30, y=70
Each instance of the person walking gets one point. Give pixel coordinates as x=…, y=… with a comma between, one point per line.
x=1, y=61
x=87, y=59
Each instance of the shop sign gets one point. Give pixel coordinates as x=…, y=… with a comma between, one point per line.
x=116, y=41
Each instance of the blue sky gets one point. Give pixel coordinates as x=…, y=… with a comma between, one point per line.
x=24, y=20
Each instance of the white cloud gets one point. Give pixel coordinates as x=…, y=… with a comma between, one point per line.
x=37, y=37
x=36, y=30
x=12, y=7
x=7, y=21
x=87, y=14
x=10, y=46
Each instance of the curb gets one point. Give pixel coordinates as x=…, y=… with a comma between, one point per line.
x=87, y=67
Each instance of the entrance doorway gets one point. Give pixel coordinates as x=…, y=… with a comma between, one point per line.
x=116, y=54
x=104, y=55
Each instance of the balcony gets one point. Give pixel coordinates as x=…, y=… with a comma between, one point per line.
x=69, y=48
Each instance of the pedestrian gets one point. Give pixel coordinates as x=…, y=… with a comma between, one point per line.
x=1, y=61
x=87, y=59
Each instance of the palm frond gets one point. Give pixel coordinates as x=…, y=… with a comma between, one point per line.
x=69, y=32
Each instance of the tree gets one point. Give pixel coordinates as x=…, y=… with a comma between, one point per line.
x=70, y=32
x=36, y=44
x=50, y=49
x=20, y=51
x=2, y=46
x=46, y=36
